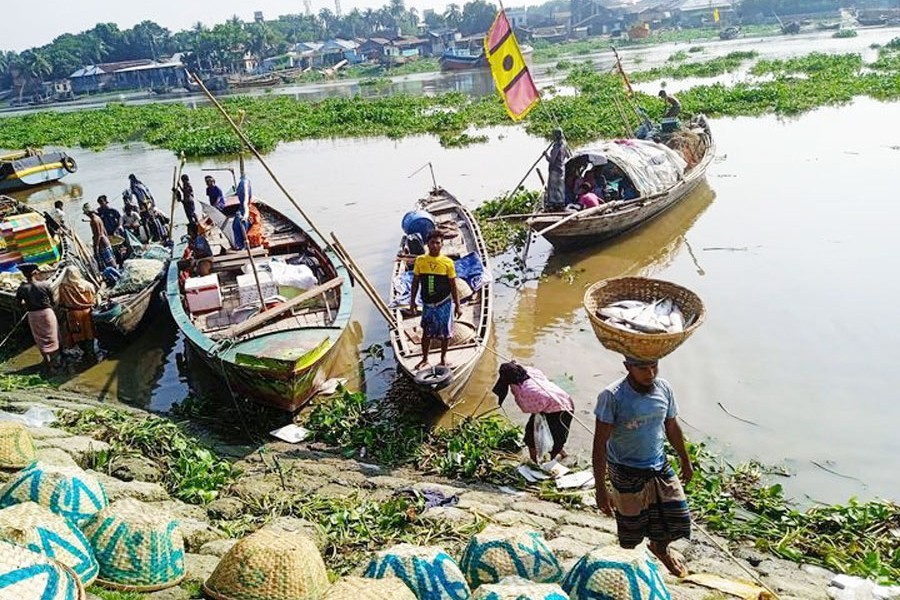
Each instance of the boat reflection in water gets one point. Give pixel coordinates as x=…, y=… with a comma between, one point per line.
x=556, y=301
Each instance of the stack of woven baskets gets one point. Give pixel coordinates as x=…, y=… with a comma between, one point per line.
x=636, y=344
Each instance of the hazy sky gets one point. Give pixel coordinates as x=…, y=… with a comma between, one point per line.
x=24, y=25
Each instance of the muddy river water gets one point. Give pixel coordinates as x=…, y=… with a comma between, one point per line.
x=790, y=243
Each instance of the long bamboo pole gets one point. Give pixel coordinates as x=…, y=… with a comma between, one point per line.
x=258, y=156
x=240, y=219
x=176, y=177
x=364, y=282
x=521, y=181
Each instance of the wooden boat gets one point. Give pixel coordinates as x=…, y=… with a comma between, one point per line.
x=828, y=26
x=120, y=315
x=52, y=260
x=31, y=167
x=471, y=331
x=730, y=33
x=462, y=59
x=276, y=357
x=879, y=21
x=692, y=147
x=251, y=81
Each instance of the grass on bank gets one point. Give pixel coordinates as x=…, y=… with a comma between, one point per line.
x=738, y=502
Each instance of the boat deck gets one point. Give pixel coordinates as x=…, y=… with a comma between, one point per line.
x=286, y=242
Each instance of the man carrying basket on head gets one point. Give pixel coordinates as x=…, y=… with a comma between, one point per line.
x=635, y=416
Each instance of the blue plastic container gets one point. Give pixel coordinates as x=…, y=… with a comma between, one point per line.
x=418, y=221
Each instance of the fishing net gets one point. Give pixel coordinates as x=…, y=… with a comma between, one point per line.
x=137, y=273
x=498, y=552
x=691, y=144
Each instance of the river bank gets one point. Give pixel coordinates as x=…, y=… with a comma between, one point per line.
x=351, y=507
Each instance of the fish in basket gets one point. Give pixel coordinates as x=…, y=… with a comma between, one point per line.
x=641, y=317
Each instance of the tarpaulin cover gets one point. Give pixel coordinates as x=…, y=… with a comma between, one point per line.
x=652, y=167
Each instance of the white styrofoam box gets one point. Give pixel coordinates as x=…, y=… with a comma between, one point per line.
x=203, y=293
x=247, y=291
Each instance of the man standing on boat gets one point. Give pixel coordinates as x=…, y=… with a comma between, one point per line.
x=112, y=219
x=635, y=416
x=103, y=250
x=147, y=207
x=214, y=193
x=436, y=275
x=185, y=195
x=556, y=159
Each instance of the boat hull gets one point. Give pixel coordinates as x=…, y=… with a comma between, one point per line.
x=465, y=355
x=133, y=311
x=286, y=385
x=579, y=233
x=22, y=170
x=270, y=368
x=462, y=63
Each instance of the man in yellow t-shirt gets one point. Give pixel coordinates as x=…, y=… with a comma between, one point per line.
x=436, y=276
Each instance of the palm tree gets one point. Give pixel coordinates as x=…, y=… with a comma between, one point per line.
x=453, y=15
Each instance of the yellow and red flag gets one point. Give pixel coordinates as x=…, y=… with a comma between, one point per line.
x=508, y=68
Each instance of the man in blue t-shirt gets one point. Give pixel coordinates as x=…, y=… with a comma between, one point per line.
x=635, y=417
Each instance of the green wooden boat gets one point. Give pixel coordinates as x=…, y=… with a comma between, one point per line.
x=277, y=357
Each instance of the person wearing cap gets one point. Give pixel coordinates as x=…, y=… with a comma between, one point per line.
x=36, y=297
x=634, y=417
x=103, y=250
x=112, y=219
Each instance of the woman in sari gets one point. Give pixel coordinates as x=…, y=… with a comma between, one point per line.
x=76, y=298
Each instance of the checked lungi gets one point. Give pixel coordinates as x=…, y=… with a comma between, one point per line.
x=649, y=504
x=437, y=319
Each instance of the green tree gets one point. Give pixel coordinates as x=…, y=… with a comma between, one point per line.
x=453, y=16
x=477, y=17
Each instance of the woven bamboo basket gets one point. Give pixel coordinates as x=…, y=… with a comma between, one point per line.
x=427, y=570
x=644, y=346
x=31, y=525
x=362, y=588
x=67, y=491
x=16, y=446
x=616, y=574
x=139, y=547
x=519, y=588
x=25, y=574
x=499, y=552
x=271, y=564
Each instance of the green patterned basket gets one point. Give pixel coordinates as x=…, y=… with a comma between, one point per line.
x=36, y=528
x=25, y=575
x=518, y=588
x=67, y=491
x=271, y=564
x=617, y=574
x=139, y=547
x=16, y=446
x=363, y=588
x=427, y=570
x=498, y=552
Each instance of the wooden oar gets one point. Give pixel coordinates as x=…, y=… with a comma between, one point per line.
x=256, y=321
x=573, y=217
x=240, y=133
x=176, y=176
x=524, y=177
